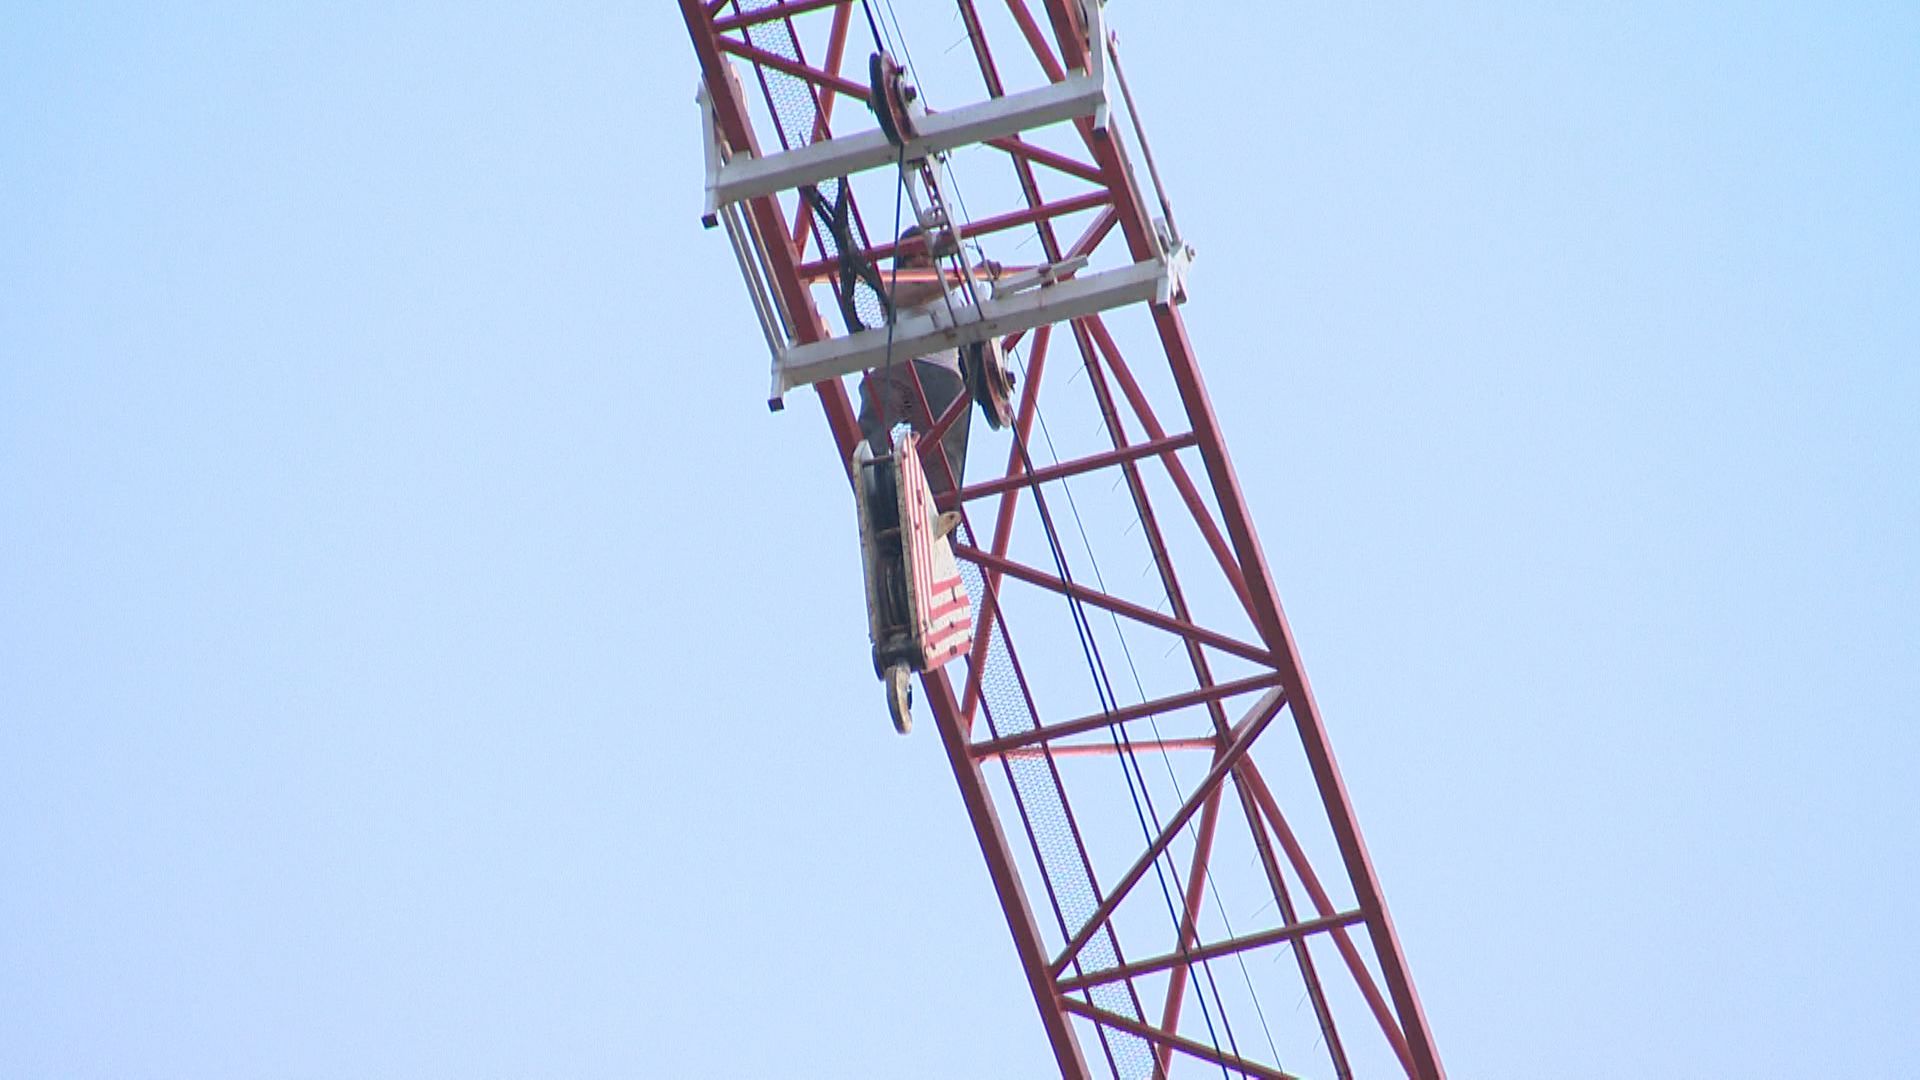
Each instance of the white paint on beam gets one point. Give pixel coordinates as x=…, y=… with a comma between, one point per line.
x=921, y=333
x=746, y=177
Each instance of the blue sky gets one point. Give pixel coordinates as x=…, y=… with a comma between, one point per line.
x=400, y=571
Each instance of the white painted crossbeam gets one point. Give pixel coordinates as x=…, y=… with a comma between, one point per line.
x=746, y=177
x=919, y=334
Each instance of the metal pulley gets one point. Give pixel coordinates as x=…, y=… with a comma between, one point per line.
x=984, y=366
x=891, y=97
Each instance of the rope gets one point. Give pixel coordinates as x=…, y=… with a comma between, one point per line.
x=872, y=26
x=1167, y=760
x=1138, y=791
x=1123, y=743
x=1131, y=769
x=893, y=283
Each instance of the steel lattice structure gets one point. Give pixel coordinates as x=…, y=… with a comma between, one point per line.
x=1150, y=838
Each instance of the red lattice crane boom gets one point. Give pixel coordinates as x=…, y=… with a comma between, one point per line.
x=1148, y=826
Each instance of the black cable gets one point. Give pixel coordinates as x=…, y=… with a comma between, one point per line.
x=1154, y=723
x=1130, y=765
x=872, y=26
x=893, y=283
x=1123, y=746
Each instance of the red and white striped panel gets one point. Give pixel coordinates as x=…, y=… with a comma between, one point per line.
x=941, y=615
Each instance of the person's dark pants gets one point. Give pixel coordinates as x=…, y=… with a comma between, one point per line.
x=888, y=397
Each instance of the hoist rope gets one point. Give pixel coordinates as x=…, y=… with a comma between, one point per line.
x=1145, y=811
x=1131, y=769
x=872, y=26
x=1123, y=743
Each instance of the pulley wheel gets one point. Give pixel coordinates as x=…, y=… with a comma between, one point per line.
x=987, y=376
x=890, y=95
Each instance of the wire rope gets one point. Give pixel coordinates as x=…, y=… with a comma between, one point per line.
x=1127, y=653
x=1103, y=688
x=873, y=27
x=1123, y=743
x=1131, y=768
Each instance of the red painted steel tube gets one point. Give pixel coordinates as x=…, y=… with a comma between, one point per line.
x=1073, y=204
x=1389, y=1025
x=1182, y=482
x=1256, y=723
x=958, y=412
x=1040, y=155
x=1077, y=466
x=1184, y=1045
x=1100, y=749
x=1189, y=929
x=1006, y=879
x=1036, y=40
x=1217, y=692
x=1194, y=954
x=1312, y=730
x=819, y=78
x=1114, y=604
x=1070, y=33
x=780, y=11
x=836, y=54
x=1302, y=956
x=1003, y=520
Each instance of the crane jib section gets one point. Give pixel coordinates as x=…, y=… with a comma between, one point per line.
x=1132, y=733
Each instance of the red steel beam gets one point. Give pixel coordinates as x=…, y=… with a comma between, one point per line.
x=1389, y=1024
x=1182, y=482
x=1197, y=953
x=1040, y=155
x=824, y=80
x=1003, y=521
x=1189, y=929
x=1267, y=612
x=1113, y=603
x=1216, y=692
x=731, y=114
x=1000, y=223
x=1036, y=40
x=1166, y=1038
x=1077, y=466
x=1006, y=878
x=836, y=55
x=1103, y=749
x=1255, y=723
x=779, y=11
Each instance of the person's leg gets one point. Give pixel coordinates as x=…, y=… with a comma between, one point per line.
x=885, y=400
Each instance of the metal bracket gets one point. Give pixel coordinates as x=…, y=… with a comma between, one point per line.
x=921, y=333
x=1038, y=276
